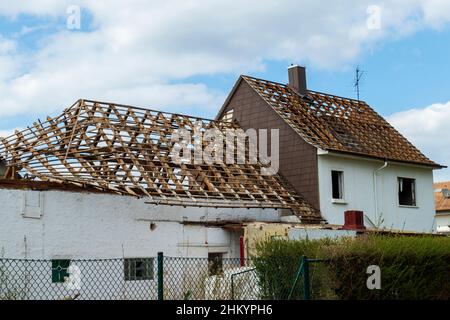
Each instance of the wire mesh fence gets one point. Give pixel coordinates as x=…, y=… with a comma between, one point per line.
x=167, y=278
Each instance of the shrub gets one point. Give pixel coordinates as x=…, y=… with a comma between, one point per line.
x=411, y=267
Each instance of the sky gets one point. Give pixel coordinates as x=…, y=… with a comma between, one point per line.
x=184, y=56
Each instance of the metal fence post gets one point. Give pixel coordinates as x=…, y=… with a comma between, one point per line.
x=306, y=284
x=160, y=276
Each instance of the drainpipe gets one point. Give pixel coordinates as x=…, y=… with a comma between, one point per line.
x=375, y=187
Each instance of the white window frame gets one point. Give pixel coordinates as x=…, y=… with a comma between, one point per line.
x=341, y=185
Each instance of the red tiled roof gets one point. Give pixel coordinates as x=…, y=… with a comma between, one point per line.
x=441, y=203
x=338, y=124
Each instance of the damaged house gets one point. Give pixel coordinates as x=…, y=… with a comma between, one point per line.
x=338, y=153
x=99, y=181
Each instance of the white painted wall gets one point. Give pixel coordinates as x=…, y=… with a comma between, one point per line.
x=68, y=225
x=359, y=192
x=443, y=222
x=83, y=225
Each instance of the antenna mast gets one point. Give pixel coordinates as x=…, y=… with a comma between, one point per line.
x=358, y=76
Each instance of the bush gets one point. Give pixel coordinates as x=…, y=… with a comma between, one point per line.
x=411, y=267
x=277, y=264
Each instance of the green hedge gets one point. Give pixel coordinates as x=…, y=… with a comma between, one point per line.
x=411, y=267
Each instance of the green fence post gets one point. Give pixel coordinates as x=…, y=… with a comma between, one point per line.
x=160, y=276
x=306, y=284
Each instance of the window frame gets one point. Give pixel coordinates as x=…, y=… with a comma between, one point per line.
x=414, y=193
x=60, y=273
x=341, y=186
x=130, y=269
x=218, y=270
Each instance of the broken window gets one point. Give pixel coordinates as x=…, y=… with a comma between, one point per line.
x=138, y=269
x=406, y=192
x=215, y=263
x=337, y=184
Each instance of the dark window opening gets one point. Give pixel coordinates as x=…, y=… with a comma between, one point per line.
x=60, y=270
x=406, y=192
x=215, y=263
x=337, y=184
x=138, y=269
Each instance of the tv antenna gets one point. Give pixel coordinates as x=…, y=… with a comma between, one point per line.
x=358, y=77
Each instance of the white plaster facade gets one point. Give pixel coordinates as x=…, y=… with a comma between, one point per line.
x=376, y=192
x=60, y=224
x=443, y=222
x=76, y=226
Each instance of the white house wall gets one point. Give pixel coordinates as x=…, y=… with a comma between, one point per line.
x=359, y=193
x=83, y=226
x=443, y=222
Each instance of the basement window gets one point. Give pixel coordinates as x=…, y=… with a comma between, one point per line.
x=337, y=185
x=215, y=263
x=60, y=270
x=406, y=192
x=138, y=269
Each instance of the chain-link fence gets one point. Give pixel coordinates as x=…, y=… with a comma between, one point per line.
x=125, y=279
x=168, y=278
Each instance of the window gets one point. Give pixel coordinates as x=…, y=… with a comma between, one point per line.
x=337, y=184
x=228, y=116
x=32, y=204
x=138, y=269
x=406, y=192
x=215, y=263
x=59, y=270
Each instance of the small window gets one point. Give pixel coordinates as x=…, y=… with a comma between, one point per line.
x=215, y=263
x=32, y=204
x=228, y=116
x=406, y=192
x=337, y=184
x=60, y=270
x=138, y=269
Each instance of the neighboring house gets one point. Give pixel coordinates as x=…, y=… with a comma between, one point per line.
x=442, y=201
x=338, y=153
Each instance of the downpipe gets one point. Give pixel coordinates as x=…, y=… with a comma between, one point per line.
x=375, y=187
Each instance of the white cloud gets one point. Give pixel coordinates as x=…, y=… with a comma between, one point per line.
x=7, y=133
x=427, y=129
x=139, y=49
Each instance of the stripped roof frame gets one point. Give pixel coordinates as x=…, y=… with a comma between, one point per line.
x=125, y=149
x=338, y=124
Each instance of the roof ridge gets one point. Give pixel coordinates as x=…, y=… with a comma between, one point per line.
x=309, y=90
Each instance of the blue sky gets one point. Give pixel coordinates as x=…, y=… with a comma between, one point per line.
x=184, y=56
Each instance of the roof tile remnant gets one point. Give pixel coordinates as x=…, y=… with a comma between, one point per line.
x=441, y=202
x=338, y=124
x=126, y=150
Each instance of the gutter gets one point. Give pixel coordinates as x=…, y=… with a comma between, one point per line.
x=375, y=187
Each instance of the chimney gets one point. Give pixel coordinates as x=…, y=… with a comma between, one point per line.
x=297, y=79
x=354, y=220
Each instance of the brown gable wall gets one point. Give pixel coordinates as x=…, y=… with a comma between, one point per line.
x=298, y=159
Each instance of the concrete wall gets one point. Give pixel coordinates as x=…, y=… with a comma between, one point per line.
x=359, y=192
